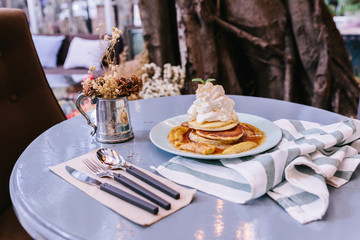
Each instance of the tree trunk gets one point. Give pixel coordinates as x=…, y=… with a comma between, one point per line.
x=158, y=19
x=289, y=50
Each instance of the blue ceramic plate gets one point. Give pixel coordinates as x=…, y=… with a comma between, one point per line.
x=159, y=133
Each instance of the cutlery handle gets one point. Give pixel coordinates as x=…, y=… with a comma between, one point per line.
x=142, y=191
x=153, y=182
x=129, y=198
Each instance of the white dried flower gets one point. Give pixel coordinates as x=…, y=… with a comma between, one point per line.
x=157, y=84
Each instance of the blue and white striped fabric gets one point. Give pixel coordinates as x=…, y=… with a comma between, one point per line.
x=294, y=173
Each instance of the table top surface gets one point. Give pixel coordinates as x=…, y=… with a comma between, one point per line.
x=50, y=207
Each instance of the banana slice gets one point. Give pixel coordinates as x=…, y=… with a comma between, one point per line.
x=240, y=147
x=202, y=148
x=176, y=135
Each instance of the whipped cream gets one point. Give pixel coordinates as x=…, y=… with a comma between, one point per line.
x=212, y=105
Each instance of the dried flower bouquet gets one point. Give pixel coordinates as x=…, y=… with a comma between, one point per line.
x=111, y=84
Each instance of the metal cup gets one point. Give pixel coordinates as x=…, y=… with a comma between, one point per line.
x=113, y=123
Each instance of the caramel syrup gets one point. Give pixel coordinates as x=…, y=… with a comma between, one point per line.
x=250, y=133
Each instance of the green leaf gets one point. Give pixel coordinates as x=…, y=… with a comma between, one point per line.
x=210, y=80
x=198, y=80
x=202, y=81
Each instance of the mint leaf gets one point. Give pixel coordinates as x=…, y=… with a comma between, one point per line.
x=202, y=81
x=210, y=80
x=198, y=80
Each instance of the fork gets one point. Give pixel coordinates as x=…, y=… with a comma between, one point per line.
x=101, y=172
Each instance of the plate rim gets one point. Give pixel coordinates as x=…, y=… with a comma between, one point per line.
x=277, y=135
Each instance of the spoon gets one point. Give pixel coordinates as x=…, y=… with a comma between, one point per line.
x=113, y=160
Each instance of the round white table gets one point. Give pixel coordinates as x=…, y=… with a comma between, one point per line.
x=50, y=208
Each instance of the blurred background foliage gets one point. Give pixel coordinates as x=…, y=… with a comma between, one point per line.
x=343, y=7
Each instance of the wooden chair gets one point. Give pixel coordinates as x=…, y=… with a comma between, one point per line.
x=27, y=106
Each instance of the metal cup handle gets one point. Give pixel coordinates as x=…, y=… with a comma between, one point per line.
x=78, y=106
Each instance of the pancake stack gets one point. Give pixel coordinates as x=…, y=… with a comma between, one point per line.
x=213, y=126
x=219, y=134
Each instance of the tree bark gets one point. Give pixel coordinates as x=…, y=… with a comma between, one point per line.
x=282, y=49
x=159, y=26
x=322, y=51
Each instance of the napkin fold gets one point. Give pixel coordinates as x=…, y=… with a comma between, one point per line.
x=125, y=209
x=295, y=173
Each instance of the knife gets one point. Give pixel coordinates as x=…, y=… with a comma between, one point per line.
x=113, y=190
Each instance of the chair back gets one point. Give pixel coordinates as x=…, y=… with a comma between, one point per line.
x=27, y=104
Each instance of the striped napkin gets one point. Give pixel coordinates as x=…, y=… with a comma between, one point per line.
x=295, y=173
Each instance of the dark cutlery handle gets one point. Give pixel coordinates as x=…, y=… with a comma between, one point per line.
x=142, y=191
x=129, y=198
x=153, y=182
